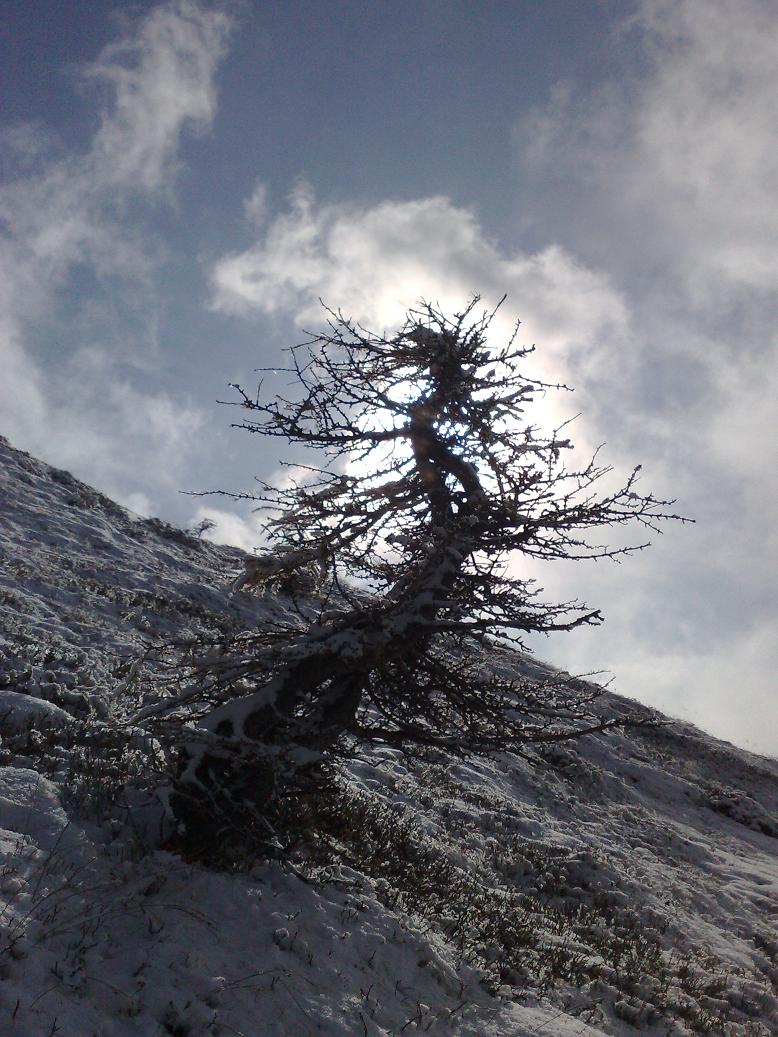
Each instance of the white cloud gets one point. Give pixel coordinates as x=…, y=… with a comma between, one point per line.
x=256, y=206
x=138, y=503
x=109, y=427
x=162, y=78
x=228, y=528
x=723, y=690
x=374, y=262
x=681, y=162
x=667, y=178
x=706, y=136
x=66, y=210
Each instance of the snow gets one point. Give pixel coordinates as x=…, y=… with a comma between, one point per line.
x=21, y=713
x=623, y=884
x=30, y=808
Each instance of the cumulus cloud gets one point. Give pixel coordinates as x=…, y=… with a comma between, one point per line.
x=673, y=178
x=722, y=691
x=679, y=164
x=376, y=261
x=706, y=130
x=110, y=424
x=228, y=527
x=66, y=212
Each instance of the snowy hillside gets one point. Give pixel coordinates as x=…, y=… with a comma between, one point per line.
x=623, y=884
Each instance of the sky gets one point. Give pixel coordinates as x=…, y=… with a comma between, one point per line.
x=183, y=181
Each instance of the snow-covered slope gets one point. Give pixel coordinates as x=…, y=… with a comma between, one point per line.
x=620, y=884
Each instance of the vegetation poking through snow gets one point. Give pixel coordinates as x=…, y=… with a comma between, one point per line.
x=624, y=884
x=526, y=916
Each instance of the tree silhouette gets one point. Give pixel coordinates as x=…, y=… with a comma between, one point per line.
x=431, y=485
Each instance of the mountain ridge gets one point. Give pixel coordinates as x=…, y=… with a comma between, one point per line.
x=606, y=886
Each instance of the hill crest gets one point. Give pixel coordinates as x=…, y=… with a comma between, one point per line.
x=612, y=885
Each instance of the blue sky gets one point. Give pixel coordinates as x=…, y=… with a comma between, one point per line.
x=182, y=181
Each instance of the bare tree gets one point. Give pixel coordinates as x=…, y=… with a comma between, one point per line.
x=432, y=487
